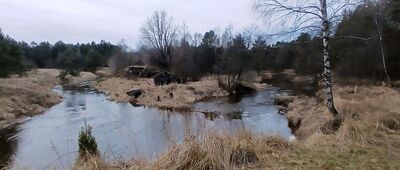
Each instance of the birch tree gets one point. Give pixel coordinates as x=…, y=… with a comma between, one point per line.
x=197, y=38
x=250, y=35
x=227, y=36
x=380, y=8
x=318, y=16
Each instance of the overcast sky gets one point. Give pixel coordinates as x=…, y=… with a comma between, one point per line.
x=112, y=20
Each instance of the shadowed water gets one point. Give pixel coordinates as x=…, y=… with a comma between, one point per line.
x=124, y=132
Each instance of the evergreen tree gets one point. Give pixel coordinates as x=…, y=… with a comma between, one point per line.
x=10, y=56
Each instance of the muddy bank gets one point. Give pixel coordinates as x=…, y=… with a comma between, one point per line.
x=168, y=96
x=31, y=93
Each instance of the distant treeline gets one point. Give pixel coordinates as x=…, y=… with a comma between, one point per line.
x=355, y=52
x=19, y=56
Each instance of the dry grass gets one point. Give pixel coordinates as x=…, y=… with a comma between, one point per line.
x=372, y=114
x=248, y=151
x=369, y=138
x=27, y=95
x=31, y=94
x=308, y=115
x=214, y=151
x=371, y=124
x=367, y=106
x=183, y=95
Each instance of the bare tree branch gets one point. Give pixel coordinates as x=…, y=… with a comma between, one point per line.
x=301, y=15
x=159, y=32
x=352, y=37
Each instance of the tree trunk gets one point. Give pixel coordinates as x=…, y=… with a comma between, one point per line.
x=379, y=29
x=327, y=65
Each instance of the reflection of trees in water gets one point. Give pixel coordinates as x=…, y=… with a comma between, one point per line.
x=76, y=101
x=167, y=127
x=8, y=145
x=187, y=123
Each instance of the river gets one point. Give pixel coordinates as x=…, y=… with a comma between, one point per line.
x=124, y=131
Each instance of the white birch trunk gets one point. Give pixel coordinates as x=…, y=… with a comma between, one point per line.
x=379, y=29
x=327, y=65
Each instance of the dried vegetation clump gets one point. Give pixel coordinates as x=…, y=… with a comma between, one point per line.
x=213, y=151
x=167, y=96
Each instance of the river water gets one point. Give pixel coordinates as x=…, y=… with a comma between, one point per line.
x=125, y=132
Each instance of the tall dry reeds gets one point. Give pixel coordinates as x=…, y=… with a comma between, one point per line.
x=211, y=151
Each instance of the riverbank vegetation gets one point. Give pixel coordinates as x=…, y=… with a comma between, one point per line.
x=368, y=139
x=32, y=93
x=172, y=96
x=362, y=59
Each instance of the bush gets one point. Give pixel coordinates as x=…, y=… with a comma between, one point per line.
x=87, y=142
x=64, y=73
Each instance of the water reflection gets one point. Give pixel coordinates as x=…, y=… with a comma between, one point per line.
x=8, y=145
x=76, y=102
x=125, y=132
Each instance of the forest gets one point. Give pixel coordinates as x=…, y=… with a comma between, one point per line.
x=356, y=50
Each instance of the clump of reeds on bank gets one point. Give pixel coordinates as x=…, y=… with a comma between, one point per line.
x=212, y=151
x=223, y=151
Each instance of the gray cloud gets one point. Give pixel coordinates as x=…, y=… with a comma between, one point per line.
x=112, y=20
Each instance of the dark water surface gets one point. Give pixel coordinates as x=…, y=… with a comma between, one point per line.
x=124, y=132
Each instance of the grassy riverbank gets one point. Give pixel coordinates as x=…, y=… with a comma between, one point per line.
x=168, y=96
x=31, y=93
x=369, y=138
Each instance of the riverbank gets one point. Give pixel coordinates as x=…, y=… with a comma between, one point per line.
x=364, y=104
x=176, y=96
x=368, y=139
x=31, y=93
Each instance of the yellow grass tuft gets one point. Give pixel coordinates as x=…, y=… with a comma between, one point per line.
x=222, y=151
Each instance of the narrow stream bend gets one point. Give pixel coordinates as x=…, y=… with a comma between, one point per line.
x=123, y=131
